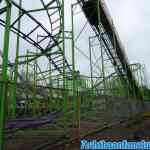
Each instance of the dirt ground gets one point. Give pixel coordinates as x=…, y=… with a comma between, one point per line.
x=134, y=129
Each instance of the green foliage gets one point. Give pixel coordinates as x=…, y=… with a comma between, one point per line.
x=145, y=92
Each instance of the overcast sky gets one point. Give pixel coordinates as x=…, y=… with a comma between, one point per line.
x=131, y=18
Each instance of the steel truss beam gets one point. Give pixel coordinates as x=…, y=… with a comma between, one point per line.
x=113, y=39
x=54, y=41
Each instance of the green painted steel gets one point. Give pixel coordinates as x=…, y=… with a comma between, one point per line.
x=14, y=98
x=34, y=103
x=60, y=90
x=3, y=85
x=91, y=67
x=51, y=85
x=73, y=64
x=63, y=52
x=102, y=51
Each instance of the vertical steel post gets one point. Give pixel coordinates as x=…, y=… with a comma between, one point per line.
x=26, y=77
x=27, y=66
x=102, y=57
x=91, y=67
x=78, y=114
x=73, y=63
x=50, y=85
x=115, y=47
x=16, y=66
x=3, y=85
x=141, y=78
x=34, y=87
x=63, y=51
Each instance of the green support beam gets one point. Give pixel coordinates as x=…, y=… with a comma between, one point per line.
x=63, y=51
x=14, y=89
x=102, y=57
x=91, y=67
x=73, y=63
x=3, y=85
x=34, y=102
x=50, y=89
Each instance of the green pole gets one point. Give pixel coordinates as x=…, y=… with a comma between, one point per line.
x=26, y=79
x=3, y=85
x=91, y=67
x=64, y=74
x=27, y=66
x=34, y=89
x=27, y=72
x=78, y=114
x=50, y=89
x=16, y=67
x=102, y=57
x=141, y=78
x=73, y=63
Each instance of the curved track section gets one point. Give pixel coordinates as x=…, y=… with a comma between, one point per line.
x=50, y=35
x=110, y=38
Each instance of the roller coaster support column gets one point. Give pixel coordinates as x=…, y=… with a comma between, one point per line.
x=91, y=72
x=34, y=104
x=64, y=73
x=91, y=67
x=26, y=78
x=27, y=66
x=16, y=67
x=78, y=114
x=73, y=65
x=50, y=89
x=103, y=69
x=3, y=85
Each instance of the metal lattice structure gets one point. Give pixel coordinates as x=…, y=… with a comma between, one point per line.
x=102, y=24
x=58, y=90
